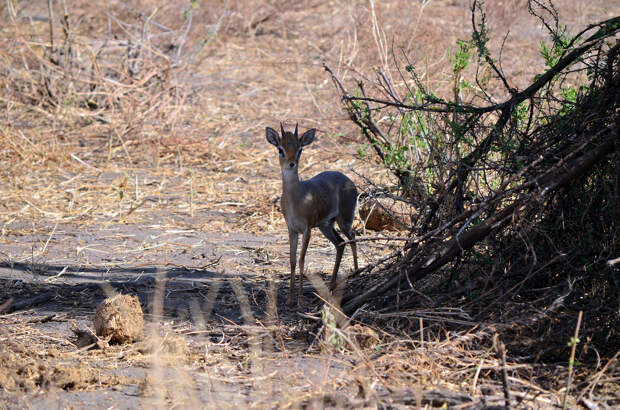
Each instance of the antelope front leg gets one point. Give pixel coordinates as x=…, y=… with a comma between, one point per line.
x=302, y=258
x=293, y=238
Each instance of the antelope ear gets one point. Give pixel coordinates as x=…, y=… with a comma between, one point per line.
x=272, y=136
x=308, y=137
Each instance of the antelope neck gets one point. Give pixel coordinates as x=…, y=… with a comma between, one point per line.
x=290, y=182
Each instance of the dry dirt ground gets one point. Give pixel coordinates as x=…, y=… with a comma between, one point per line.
x=185, y=215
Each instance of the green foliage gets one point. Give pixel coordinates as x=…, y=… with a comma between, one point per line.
x=461, y=59
x=480, y=36
x=570, y=94
x=396, y=157
x=359, y=106
x=362, y=151
x=459, y=62
x=412, y=123
x=570, y=99
x=421, y=142
x=552, y=54
x=560, y=43
x=194, y=5
x=458, y=130
x=521, y=114
x=434, y=99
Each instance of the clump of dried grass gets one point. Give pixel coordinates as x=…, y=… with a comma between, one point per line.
x=120, y=319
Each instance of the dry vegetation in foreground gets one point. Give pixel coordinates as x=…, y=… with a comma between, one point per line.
x=134, y=161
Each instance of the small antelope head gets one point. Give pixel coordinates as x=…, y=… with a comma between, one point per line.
x=289, y=146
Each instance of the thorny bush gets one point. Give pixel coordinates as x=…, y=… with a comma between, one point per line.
x=514, y=201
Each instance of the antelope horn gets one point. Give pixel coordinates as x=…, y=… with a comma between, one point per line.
x=296, y=126
x=281, y=128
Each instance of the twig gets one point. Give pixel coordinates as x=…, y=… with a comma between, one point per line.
x=50, y=13
x=184, y=36
x=574, y=341
x=51, y=278
x=75, y=157
x=475, y=381
x=598, y=376
x=49, y=238
x=501, y=351
x=379, y=238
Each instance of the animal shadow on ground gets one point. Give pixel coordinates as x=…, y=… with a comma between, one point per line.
x=186, y=293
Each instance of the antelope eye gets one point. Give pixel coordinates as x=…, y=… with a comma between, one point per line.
x=298, y=154
x=281, y=152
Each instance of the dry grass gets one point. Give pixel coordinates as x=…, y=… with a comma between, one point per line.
x=115, y=163
x=227, y=366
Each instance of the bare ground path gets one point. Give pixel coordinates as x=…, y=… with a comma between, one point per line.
x=203, y=235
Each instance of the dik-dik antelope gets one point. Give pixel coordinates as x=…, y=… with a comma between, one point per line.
x=318, y=202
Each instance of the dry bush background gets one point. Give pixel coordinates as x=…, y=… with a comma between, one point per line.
x=134, y=146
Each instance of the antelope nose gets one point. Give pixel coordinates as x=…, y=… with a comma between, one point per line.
x=292, y=165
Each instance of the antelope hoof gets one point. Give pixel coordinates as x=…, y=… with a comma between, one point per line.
x=333, y=284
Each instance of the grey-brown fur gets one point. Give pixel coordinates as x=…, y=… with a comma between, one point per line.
x=329, y=197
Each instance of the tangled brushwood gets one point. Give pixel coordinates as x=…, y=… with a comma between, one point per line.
x=513, y=193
